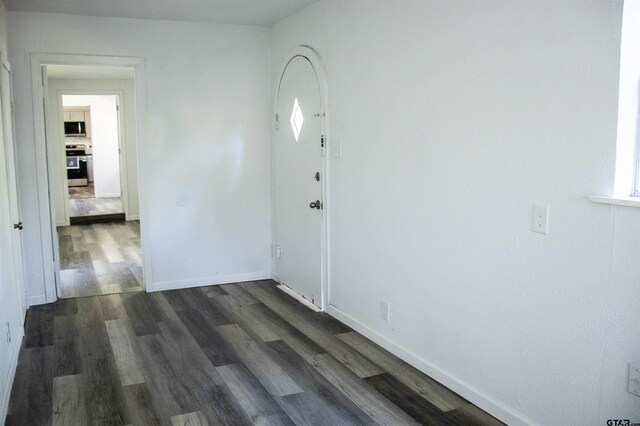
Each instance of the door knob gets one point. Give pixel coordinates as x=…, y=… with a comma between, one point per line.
x=17, y=226
x=316, y=205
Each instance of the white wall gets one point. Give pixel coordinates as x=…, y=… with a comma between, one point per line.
x=128, y=108
x=204, y=174
x=455, y=118
x=104, y=140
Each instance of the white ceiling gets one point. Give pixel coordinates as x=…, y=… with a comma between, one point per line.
x=82, y=72
x=248, y=12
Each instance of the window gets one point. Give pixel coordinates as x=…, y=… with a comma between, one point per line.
x=296, y=119
x=636, y=181
x=627, y=178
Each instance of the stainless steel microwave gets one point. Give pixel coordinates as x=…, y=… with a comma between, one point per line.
x=75, y=129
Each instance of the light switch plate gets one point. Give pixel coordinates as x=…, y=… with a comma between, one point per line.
x=384, y=310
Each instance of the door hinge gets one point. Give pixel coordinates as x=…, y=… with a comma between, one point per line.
x=12, y=109
x=277, y=122
x=322, y=141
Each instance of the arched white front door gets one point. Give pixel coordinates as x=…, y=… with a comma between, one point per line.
x=298, y=180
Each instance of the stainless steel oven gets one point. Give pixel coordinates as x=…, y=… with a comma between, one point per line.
x=77, y=166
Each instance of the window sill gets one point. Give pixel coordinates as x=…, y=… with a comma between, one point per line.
x=620, y=201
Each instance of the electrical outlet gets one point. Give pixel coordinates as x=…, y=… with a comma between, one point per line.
x=540, y=218
x=634, y=379
x=384, y=310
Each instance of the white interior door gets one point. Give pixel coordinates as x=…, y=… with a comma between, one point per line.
x=7, y=274
x=10, y=158
x=9, y=288
x=298, y=181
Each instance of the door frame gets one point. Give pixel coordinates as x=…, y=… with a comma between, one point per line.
x=46, y=214
x=122, y=146
x=311, y=55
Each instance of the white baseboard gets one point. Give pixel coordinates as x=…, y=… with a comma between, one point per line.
x=133, y=217
x=214, y=280
x=36, y=300
x=477, y=397
x=274, y=276
x=11, y=374
x=109, y=195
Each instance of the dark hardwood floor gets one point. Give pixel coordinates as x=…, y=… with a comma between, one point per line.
x=100, y=258
x=232, y=354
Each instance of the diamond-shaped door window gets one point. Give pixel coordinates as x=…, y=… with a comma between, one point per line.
x=296, y=119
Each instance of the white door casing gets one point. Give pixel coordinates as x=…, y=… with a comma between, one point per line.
x=47, y=234
x=298, y=180
x=55, y=265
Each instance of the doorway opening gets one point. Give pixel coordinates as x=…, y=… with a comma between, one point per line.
x=95, y=189
x=92, y=145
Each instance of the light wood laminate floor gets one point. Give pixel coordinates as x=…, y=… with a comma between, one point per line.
x=88, y=191
x=82, y=202
x=101, y=258
x=236, y=354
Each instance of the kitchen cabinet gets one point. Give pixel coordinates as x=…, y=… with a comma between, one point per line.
x=76, y=116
